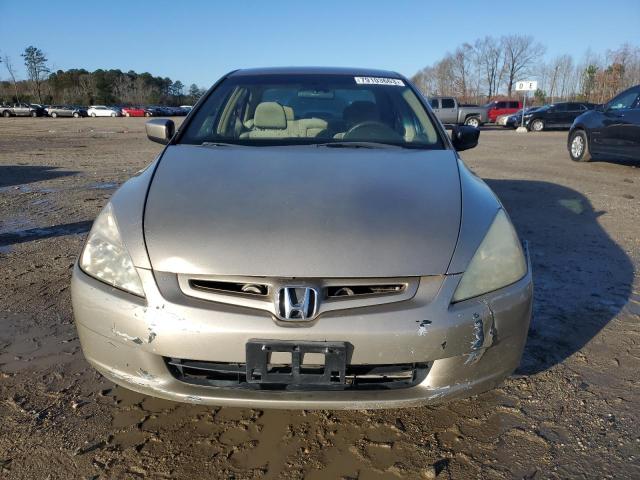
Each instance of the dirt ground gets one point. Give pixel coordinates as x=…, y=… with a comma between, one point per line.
x=572, y=410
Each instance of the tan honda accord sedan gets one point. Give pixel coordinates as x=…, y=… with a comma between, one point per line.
x=309, y=238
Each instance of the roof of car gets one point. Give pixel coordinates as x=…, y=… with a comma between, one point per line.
x=363, y=72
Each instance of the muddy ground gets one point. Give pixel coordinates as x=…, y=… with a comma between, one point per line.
x=572, y=410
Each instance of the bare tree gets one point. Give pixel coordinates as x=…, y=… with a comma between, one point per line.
x=490, y=60
x=461, y=64
x=8, y=64
x=567, y=88
x=553, y=75
x=36, y=63
x=521, y=52
x=629, y=57
x=87, y=84
x=444, y=76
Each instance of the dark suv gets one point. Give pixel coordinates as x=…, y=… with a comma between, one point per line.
x=608, y=131
x=556, y=115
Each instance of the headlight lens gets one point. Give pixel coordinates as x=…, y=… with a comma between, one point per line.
x=498, y=262
x=106, y=258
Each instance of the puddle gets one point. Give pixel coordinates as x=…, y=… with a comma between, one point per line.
x=17, y=232
x=24, y=188
x=17, y=189
x=29, y=188
x=15, y=224
x=104, y=186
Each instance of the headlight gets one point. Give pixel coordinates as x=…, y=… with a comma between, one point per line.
x=498, y=262
x=105, y=257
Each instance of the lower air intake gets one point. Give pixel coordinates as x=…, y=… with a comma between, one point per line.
x=358, y=377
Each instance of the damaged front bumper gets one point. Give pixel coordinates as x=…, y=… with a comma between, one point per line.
x=469, y=347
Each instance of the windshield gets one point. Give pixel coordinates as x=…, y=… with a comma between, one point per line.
x=312, y=109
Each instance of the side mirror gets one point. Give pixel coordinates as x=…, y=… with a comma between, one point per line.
x=160, y=130
x=464, y=137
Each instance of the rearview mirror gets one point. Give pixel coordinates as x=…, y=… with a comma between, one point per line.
x=464, y=137
x=160, y=130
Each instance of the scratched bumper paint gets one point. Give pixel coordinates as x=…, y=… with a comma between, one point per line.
x=470, y=346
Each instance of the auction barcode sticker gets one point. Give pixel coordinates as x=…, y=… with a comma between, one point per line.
x=379, y=81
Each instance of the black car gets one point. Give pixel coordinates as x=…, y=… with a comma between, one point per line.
x=66, y=111
x=155, y=111
x=609, y=131
x=556, y=115
x=515, y=120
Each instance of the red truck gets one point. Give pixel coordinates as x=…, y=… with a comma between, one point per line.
x=501, y=107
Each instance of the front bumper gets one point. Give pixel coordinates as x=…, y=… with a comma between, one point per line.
x=470, y=346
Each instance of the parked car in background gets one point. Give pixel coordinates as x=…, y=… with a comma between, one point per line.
x=21, y=109
x=55, y=111
x=187, y=108
x=555, y=115
x=515, y=120
x=611, y=130
x=103, y=111
x=174, y=111
x=155, y=111
x=133, y=111
x=502, y=120
x=501, y=107
x=450, y=112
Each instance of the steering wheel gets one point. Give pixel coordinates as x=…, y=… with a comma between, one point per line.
x=372, y=131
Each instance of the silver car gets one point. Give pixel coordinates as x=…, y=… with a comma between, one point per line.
x=309, y=238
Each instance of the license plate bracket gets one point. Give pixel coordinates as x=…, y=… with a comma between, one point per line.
x=259, y=355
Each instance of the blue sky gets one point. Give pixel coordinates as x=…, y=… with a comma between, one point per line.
x=198, y=41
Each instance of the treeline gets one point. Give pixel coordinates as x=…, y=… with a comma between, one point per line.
x=81, y=87
x=489, y=67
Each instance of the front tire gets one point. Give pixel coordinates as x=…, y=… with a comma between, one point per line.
x=54, y=115
x=6, y=114
x=34, y=114
x=113, y=115
x=579, y=147
x=472, y=122
x=76, y=115
x=93, y=115
x=537, y=125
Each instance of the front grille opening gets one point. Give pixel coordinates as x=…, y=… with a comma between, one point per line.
x=358, y=377
x=359, y=290
x=241, y=288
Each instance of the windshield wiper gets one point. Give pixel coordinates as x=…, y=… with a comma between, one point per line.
x=217, y=144
x=355, y=145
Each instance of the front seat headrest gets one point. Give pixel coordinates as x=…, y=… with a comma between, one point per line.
x=270, y=115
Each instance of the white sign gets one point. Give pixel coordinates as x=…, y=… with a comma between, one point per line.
x=527, y=86
x=379, y=81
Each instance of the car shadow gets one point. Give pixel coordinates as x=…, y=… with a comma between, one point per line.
x=27, y=235
x=582, y=278
x=11, y=175
x=627, y=162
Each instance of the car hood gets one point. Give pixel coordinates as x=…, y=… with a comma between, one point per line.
x=303, y=211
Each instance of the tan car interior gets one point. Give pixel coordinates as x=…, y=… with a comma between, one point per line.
x=271, y=120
